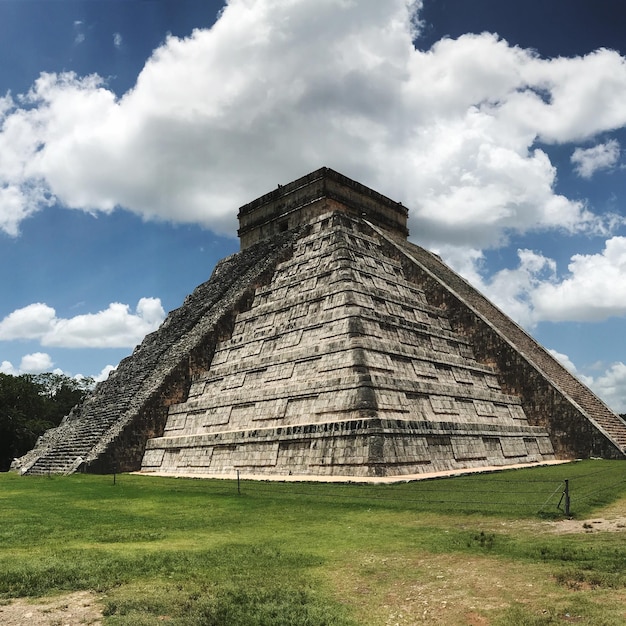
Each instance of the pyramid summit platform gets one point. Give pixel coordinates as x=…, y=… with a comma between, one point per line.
x=331, y=346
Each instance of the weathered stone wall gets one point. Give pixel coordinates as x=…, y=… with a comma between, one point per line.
x=367, y=447
x=579, y=423
x=343, y=366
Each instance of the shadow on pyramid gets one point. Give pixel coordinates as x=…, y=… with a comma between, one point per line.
x=330, y=346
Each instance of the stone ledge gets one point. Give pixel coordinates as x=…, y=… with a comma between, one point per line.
x=372, y=426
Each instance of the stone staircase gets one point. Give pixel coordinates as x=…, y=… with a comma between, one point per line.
x=70, y=445
x=82, y=435
x=594, y=409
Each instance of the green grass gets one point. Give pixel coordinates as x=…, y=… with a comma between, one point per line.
x=475, y=547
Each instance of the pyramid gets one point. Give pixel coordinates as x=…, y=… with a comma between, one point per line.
x=331, y=346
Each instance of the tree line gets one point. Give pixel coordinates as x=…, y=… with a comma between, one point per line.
x=30, y=404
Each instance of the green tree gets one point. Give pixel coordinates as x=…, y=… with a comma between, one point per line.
x=30, y=405
x=62, y=393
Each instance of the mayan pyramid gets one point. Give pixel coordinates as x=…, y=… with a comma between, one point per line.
x=331, y=346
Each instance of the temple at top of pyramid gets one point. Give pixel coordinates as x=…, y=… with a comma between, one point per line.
x=331, y=346
x=308, y=197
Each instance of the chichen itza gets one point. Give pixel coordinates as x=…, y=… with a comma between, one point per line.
x=331, y=346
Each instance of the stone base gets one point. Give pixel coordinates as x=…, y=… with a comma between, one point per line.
x=365, y=447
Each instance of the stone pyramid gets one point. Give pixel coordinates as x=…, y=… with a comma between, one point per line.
x=331, y=346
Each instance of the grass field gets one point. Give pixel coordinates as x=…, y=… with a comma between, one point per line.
x=477, y=549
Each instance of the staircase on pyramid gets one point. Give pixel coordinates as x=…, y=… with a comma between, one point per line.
x=331, y=346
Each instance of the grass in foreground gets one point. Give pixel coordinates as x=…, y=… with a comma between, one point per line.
x=468, y=550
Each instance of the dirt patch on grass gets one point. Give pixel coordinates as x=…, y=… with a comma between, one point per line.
x=74, y=609
x=439, y=590
x=594, y=525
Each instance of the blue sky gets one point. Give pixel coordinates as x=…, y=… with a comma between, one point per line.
x=131, y=132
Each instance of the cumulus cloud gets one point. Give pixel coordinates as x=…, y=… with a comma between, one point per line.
x=41, y=362
x=6, y=367
x=221, y=116
x=592, y=290
x=115, y=327
x=589, y=161
x=35, y=363
x=117, y=40
x=104, y=373
x=31, y=322
x=513, y=289
x=611, y=387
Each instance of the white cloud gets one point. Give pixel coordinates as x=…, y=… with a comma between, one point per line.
x=30, y=322
x=117, y=40
x=6, y=104
x=6, y=367
x=512, y=289
x=40, y=362
x=114, y=327
x=223, y=115
x=36, y=363
x=589, y=161
x=611, y=387
x=593, y=290
x=104, y=373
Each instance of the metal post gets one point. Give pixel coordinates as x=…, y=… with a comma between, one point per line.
x=567, y=501
x=238, y=484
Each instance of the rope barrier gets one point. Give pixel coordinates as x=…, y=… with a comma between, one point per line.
x=503, y=494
